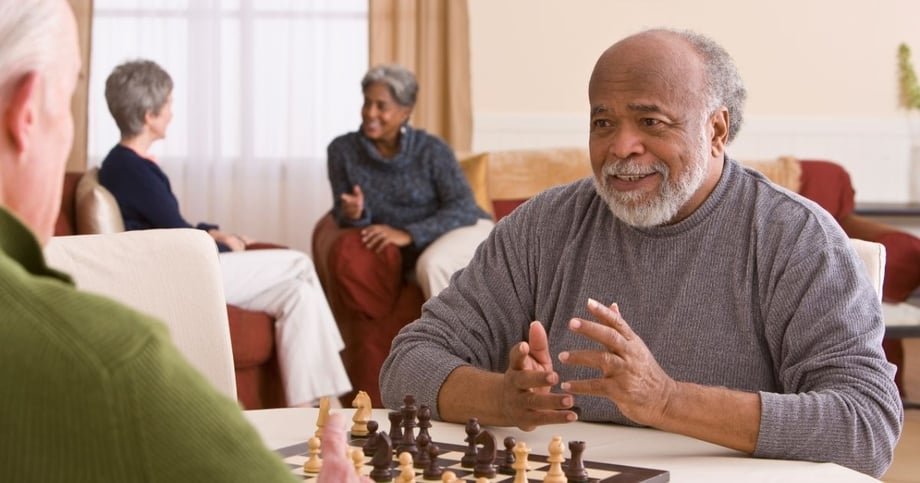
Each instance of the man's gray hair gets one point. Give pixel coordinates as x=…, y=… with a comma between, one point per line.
x=28, y=31
x=399, y=79
x=132, y=90
x=723, y=82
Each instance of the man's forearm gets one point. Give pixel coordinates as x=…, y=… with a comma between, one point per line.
x=718, y=415
x=470, y=392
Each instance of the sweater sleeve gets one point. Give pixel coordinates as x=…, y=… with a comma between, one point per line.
x=338, y=154
x=456, y=205
x=475, y=321
x=183, y=428
x=837, y=401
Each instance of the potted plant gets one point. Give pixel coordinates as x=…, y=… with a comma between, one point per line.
x=910, y=100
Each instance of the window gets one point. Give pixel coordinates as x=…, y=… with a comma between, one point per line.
x=261, y=88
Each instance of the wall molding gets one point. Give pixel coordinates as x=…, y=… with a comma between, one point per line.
x=875, y=151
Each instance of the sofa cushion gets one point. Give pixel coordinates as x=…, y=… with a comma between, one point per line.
x=96, y=208
x=828, y=185
x=520, y=174
x=785, y=171
x=475, y=169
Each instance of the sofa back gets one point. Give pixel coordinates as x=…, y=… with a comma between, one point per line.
x=502, y=180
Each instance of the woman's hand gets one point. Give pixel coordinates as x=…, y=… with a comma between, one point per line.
x=235, y=242
x=353, y=204
x=377, y=237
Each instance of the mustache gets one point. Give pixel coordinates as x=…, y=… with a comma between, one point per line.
x=631, y=167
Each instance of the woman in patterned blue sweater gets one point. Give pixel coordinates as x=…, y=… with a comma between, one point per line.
x=403, y=185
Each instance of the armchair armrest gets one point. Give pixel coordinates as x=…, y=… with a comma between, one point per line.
x=365, y=282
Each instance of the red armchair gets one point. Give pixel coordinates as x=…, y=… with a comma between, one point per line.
x=829, y=185
x=369, y=297
x=252, y=334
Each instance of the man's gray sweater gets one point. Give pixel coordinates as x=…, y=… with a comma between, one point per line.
x=758, y=290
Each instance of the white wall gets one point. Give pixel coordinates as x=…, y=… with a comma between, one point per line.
x=821, y=75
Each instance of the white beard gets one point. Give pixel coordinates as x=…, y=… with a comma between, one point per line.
x=657, y=208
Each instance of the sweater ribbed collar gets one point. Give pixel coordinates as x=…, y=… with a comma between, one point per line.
x=406, y=147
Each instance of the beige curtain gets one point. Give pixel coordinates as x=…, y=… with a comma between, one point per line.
x=430, y=37
x=83, y=10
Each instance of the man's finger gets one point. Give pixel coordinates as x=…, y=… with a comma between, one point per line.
x=539, y=345
x=517, y=356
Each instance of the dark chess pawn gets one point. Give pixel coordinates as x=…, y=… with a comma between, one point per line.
x=371, y=438
x=507, y=465
x=382, y=459
x=395, y=428
x=421, y=461
x=469, y=456
x=575, y=469
x=433, y=471
x=424, y=420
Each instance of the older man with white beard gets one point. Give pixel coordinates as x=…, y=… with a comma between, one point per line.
x=734, y=311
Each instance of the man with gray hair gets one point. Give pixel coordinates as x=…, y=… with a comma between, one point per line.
x=89, y=389
x=740, y=314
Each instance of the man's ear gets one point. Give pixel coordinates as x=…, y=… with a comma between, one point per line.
x=720, y=123
x=21, y=111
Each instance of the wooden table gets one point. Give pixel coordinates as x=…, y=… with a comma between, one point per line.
x=686, y=459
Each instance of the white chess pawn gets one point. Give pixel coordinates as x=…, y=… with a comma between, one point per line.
x=556, y=450
x=406, y=468
x=449, y=477
x=313, y=464
x=521, y=452
x=357, y=457
x=322, y=416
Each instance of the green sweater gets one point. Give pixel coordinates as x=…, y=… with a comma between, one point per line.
x=93, y=391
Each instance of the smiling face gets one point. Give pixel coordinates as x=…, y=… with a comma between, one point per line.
x=655, y=149
x=381, y=116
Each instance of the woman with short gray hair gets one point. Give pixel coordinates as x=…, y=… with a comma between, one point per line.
x=403, y=186
x=132, y=90
x=282, y=283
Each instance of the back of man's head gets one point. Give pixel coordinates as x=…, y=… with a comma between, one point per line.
x=39, y=66
x=27, y=38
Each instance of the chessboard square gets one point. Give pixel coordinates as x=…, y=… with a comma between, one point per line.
x=601, y=475
x=450, y=456
x=536, y=475
x=298, y=460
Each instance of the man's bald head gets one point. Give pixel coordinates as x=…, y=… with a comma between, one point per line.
x=687, y=64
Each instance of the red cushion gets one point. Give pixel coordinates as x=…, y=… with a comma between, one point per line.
x=902, y=265
x=828, y=184
x=252, y=337
x=503, y=208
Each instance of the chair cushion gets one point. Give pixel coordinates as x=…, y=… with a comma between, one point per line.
x=475, y=169
x=96, y=208
x=785, y=171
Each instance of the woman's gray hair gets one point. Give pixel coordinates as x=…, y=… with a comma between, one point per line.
x=399, y=79
x=132, y=90
x=723, y=82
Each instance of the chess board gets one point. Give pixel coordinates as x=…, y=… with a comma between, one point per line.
x=450, y=455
